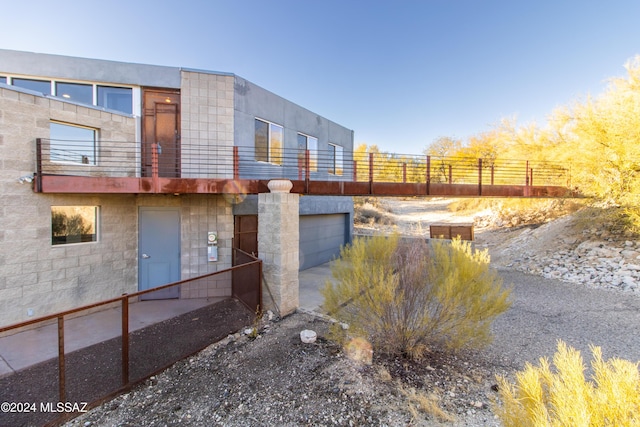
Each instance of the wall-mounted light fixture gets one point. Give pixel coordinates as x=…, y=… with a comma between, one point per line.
x=25, y=179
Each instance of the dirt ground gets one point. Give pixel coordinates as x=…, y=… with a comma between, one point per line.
x=266, y=376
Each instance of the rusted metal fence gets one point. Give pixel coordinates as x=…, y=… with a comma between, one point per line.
x=76, y=379
x=201, y=160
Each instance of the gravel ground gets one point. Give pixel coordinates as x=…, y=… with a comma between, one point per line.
x=275, y=379
x=271, y=378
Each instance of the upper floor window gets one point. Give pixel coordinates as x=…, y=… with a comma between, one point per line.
x=111, y=97
x=269, y=142
x=73, y=224
x=77, y=92
x=306, y=142
x=336, y=166
x=75, y=144
x=43, y=86
x=115, y=98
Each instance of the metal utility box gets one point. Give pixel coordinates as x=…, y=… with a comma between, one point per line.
x=451, y=230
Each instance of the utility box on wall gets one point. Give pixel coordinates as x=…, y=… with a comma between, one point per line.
x=451, y=230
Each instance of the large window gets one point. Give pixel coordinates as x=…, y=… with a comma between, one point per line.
x=306, y=142
x=111, y=97
x=336, y=166
x=115, y=98
x=269, y=142
x=43, y=86
x=75, y=92
x=73, y=224
x=74, y=144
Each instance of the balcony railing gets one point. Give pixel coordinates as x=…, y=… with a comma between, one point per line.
x=202, y=162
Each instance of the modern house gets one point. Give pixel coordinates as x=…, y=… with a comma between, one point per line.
x=118, y=177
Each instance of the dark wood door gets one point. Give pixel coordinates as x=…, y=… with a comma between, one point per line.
x=245, y=234
x=161, y=125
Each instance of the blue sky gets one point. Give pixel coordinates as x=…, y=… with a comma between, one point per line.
x=399, y=73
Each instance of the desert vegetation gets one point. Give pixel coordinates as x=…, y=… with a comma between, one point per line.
x=597, y=138
x=560, y=395
x=405, y=297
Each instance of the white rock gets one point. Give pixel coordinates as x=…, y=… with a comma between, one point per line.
x=308, y=336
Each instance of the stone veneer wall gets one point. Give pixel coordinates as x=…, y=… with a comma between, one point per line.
x=207, y=124
x=33, y=273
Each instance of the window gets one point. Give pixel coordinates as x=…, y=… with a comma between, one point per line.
x=43, y=86
x=75, y=92
x=336, y=166
x=116, y=98
x=111, y=97
x=73, y=224
x=306, y=142
x=269, y=140
x=73, y=144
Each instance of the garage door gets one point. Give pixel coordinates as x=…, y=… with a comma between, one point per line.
x=321, y=237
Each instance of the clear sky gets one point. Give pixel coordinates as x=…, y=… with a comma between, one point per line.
x=399, y=73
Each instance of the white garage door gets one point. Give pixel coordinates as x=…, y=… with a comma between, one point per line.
x=321, y=237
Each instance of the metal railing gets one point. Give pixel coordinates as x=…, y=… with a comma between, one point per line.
x=211, y=161
x=92, y=373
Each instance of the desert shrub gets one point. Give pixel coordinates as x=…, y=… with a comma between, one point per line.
x=617, y=220
x=405, y=297
x=369, y=211
x=543, y=396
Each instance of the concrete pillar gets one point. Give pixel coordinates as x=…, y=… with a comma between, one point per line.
x=278, y=246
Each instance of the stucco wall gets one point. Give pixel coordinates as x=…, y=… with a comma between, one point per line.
x=251, y=102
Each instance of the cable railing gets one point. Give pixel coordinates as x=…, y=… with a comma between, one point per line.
x=211, y=161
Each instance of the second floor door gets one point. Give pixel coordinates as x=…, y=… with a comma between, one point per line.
x=161, y=125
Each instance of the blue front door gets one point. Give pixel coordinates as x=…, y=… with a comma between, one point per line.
x=159, y=251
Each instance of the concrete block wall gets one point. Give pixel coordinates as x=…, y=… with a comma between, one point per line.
x=207, y=124
x=278, y=247
x=201, y=214
x=33, y=273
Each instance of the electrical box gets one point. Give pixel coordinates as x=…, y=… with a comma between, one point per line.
x=212, y=246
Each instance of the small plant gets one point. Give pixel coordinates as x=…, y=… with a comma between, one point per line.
x=405, y=298
x=543, y=396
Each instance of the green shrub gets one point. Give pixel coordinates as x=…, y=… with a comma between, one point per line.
x=543, y=396
x=405, y=297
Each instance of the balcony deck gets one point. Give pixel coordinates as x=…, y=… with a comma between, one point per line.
x=233, y=170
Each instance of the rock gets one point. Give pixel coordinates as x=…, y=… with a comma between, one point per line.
x=308, y=336
x=360, y=350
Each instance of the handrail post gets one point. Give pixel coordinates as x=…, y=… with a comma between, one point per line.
x=38, y=185
x=125, y=339
x=355, y=171
x=370, y=173
x=307, y=167
x=236, y=163
x=492, y=174
x=526, y=183
x=62, y=395
x=479, y=177
x=404, y=173
x=428, y=175
x=154, y=167
x=450, y=174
